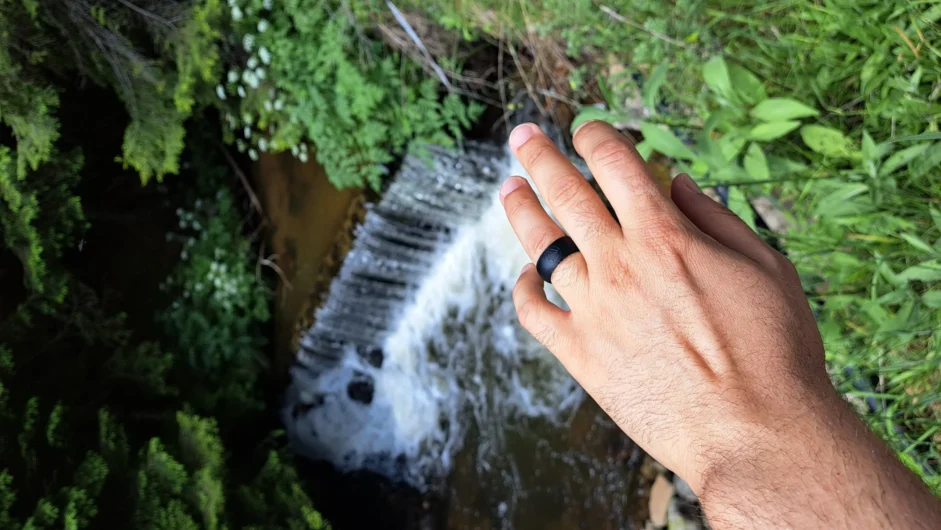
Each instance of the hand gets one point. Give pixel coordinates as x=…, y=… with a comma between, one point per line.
x=689, y=331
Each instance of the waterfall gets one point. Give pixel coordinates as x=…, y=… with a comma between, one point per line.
x=418, y=339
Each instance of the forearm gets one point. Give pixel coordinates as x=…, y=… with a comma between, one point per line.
x=816, y=474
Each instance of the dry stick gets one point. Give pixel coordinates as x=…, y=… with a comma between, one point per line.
x=665, y=38
x=248, y=188
x=400, y=18
x=500, y=78
x=908, y=41
x=529, y=86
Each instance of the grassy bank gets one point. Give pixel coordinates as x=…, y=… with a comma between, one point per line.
x=828, y=110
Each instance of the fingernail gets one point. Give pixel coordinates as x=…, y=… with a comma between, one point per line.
x=510, y=185
x=521, y=134
x=687, y=182
x=575, y=132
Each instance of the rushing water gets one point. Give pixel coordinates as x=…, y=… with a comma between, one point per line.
x=416, y=367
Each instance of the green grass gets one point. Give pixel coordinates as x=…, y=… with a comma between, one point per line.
x=857, y=172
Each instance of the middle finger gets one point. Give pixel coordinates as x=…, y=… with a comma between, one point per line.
x=572, y=200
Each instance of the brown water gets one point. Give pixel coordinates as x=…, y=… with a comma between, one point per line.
x=583, y=475
x=308, y=219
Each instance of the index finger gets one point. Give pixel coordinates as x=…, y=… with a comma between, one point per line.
x=571, y=198
x=634, y=194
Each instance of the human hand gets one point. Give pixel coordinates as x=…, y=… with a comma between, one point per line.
x=689, y=331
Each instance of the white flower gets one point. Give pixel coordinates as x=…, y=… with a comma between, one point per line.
x=220, y=91
x=247, y=118
x=265, y=55
x=303, y=157
x=260, y=73
x=253, y=154
x=268, y=105
x=262, y=144
x=251, y=79
x=233, y=3
x=233, y=76
x=247, y=132
x=252, y=62
x=248, y=42
x=236, y=13
x=294, y=150
x=278, y=104
x=267, y=4
x=262, y=25
x=241, y=91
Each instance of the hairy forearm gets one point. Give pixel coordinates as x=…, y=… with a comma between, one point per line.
x=812, y=474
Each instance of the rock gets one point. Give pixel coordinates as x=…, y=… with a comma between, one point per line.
x=683, y=490
x=677, y=521
x=661, y=495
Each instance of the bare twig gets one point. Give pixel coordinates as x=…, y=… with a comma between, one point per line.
x=552, y=94
x=400, y=18
x=908, y=41
x=500, y=84
x=148, y=14
x=248, y=187
x=529, y=85
x=665, y=38
x=269, y=262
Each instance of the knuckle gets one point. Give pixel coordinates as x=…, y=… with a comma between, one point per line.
x=565, y=190
x=781, y=265
x=515, y=203
x=537, y=153
x=540, y=237
x=612, y=154
x=567, y=274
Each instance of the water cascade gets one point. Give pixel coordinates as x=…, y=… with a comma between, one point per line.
x=416, y=357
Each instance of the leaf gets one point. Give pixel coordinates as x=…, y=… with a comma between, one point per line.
x=932, y=299
x=730, y=146
x=845, y=200
x=756, y=165
x=782, y=109
x=902, y=158
x=936, y=217
x=918, y=243
x=596, y=113
x=644, y=150
x=927, y=271
x=665, y=142
x=919, y=137
x=870, y=152
x=740, y=206
x=827, y=141
x=716, y=75
x=652, y=85
x=770, y=131
x=929, y=161
x=748, y=87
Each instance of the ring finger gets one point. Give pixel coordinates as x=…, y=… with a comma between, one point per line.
x=536, y=231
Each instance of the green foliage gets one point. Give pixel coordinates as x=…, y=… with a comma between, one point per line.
x=169, y=484
x=830, y=110
x=39, y=215
x=216, y=321
x=312, y=75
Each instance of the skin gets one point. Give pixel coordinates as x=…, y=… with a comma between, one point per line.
x=696, y=338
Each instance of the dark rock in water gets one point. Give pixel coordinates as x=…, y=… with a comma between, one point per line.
x=361, y=391
x=374, y=355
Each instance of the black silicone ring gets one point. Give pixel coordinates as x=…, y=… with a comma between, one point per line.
x=553, y=255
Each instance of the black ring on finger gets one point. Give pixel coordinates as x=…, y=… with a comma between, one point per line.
x=554, y=255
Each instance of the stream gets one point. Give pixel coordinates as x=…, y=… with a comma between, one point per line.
x=415, y=371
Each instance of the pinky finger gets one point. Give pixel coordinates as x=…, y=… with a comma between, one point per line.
x=545, y=321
